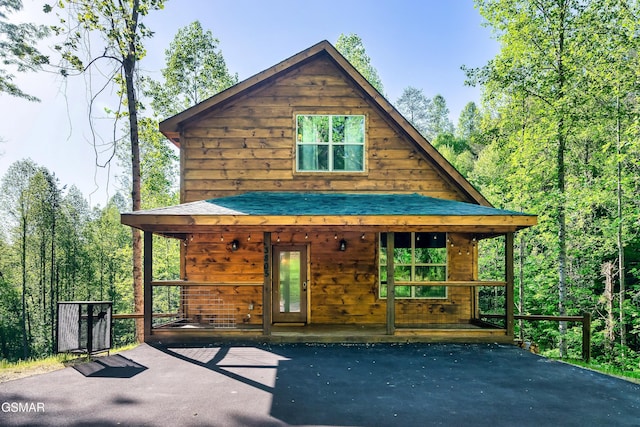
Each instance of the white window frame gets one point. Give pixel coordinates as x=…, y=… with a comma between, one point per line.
x=330, y=144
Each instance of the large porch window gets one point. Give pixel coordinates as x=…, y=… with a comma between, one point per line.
x=418, y=257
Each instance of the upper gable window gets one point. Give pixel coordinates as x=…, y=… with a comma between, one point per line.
x=330, y=143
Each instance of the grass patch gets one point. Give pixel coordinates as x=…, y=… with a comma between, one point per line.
x=633, y=376
x=26, y=368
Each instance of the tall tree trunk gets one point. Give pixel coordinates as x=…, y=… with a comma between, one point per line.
x=52, y=293
x=522, y=243
x=562, y=244
x=621, y=269
x=609, y=328
x=129, y=65
x=562, y=220
x=25, y=344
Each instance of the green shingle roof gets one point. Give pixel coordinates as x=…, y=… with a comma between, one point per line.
x=334, y=204
x=278, y=209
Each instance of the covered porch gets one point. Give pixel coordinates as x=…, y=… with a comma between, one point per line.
x=232, y=297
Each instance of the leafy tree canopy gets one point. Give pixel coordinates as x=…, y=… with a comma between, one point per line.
x=352, y=48
x=18, y=49
x=195, y=70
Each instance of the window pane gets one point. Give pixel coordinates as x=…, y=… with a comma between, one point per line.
x=289, y=267
x=313, y=128
x=431, y=240
x=383, y=274
x=337, y=128
x=348, y=157
x=431, y=255
x=402, y=255
x=313, y=157
x=431, y=274
x=402, y=240
x=402, y=274
x=403, y=291
x=354, y=129
x=431, y=292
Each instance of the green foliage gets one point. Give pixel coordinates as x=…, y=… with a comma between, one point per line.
x=18, y=49
x=352, y=48
x=117, y=21
x=438, y=122
x=456, y=151
x=561, y=140
x=55, y=248
x=430, y=117
x=414, y=105
x=469, y=123
x=195, y=70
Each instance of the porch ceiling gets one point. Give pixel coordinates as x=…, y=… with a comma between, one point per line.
x=271, y=211
x=275, y=210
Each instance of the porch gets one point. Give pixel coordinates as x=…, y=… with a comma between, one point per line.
x=331, y=333
x=234, y=247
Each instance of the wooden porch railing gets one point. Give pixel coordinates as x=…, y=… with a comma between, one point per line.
x=140, y=315
x=585, y=319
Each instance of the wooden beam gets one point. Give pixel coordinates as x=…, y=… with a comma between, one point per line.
x=454, y=283
x=148, y=289
x=509, y=289
x=391, y=288
x=194, y=283
x=480, y=222
x=266, y=290
x=586, y=337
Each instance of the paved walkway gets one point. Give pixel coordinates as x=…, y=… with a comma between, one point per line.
x=328, y=385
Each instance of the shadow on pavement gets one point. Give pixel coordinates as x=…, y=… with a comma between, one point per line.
x=418, y=384
x=115, y=366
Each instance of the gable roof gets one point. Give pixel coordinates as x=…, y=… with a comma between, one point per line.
x=172, y=126
x=279, y=209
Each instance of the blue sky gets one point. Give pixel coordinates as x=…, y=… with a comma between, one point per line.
x=420, y=43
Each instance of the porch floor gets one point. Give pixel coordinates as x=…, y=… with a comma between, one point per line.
x=333, y=333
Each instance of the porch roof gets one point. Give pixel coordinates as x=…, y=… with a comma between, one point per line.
x=279, y=209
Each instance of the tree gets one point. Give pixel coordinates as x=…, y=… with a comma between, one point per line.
x=195, y=70
x=469, y=122
x=538, y=58
x=17, y=203
x=438, y=118
x=18, y=48
x=456, y=151
x=414, y=106
x=612, y=51
x=352, y=48
x=119, y=24
x=429, y=116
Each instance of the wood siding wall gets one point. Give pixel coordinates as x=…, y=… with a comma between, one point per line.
x=209, y=259
x=343, y=286
x=248, y=144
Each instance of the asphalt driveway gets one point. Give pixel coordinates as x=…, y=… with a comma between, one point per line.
x=329, y=385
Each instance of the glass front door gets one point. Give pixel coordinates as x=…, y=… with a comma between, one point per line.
x=290, y=284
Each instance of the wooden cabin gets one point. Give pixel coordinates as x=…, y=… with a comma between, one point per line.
x=297, y=186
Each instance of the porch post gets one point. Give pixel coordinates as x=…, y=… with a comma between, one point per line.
x=266, y=289
x=148, y=278
x=391, y=287
x=509, y=289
